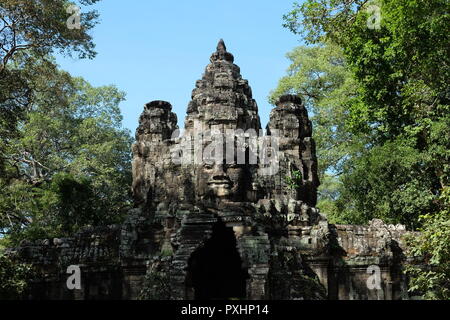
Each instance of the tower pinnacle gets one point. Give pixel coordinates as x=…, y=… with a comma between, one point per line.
x=221, y=53
x=221, y=46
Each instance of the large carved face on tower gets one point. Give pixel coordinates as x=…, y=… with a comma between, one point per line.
x=223, y=180
x=221, y=101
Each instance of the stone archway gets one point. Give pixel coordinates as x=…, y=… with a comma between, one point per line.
x=215, y=270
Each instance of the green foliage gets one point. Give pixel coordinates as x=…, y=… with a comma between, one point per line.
x=70, y=164
x=328, y=194
x=40, y=27
x=389, y=182
x=61, y=207
x=398, y=108
x=294, y=180
x=166, y=250
x=320, y=75
x=64, y=156
x=14, y=278
x=32, y=30
x=402, y=68
x=432, y=244
x=386, y=138
x=156, y=286
x=309, y=288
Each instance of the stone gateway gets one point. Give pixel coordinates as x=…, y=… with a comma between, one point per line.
x=223, y=229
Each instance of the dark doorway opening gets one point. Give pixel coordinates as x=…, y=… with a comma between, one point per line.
x=215, y=270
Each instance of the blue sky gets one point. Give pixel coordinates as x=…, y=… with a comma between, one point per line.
x=156, y=50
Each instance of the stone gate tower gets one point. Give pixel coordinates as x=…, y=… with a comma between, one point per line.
x=205, y=204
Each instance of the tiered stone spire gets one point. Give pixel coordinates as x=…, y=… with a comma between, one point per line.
x=221, y=53
x=222, y=98
x=290, y=119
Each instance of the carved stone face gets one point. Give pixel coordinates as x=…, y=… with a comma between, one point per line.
x=225, y=181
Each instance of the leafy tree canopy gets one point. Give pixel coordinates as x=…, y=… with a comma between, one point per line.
x=393, y=121
x=387, y=124
x=70, y=164
x=64, y=156
x=30, y=32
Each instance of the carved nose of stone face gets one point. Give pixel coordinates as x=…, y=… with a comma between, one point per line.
x=218, y=170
